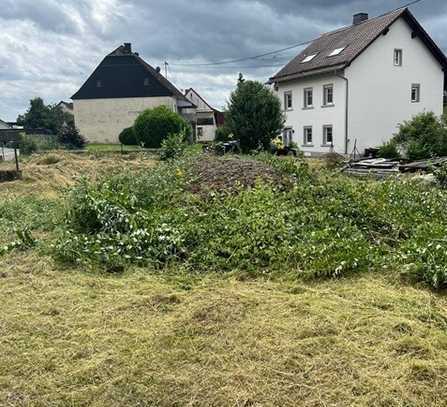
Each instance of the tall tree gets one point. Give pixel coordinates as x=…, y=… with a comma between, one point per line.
x=254, y=115
x=41, y=116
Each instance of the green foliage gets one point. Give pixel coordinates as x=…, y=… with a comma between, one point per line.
x=41, y=116
x=423, y=137
x=154, y=125
x=223, y=134
x=441, y=175
x=127, y=137
x=24, y=241
x=27, y=145
x=254, y=115
x=70, y=137
x=173, y=146
x=389, y=150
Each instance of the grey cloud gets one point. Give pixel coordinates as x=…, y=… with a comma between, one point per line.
x=51, y=46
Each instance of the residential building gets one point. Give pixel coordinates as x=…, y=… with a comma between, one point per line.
x=66, y=107
x=205, y=118
x=350, y=88
x=4, y=125
x=119, y=89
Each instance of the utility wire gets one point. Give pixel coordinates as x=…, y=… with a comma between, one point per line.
x=278, y=51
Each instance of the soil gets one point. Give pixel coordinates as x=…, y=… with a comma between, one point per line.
x=230, y=175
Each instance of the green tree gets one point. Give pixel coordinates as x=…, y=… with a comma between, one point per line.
x=254, y=115
x=41, y=116
x=155, y=125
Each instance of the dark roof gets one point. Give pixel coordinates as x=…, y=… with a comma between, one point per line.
x=66, y=104
x=355, y=39
x=123, y=74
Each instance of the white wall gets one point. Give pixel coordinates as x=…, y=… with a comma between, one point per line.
x=380, y=93
x=102, y=120
x=319, y=116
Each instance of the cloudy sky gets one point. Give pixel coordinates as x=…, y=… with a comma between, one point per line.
x=49, y=47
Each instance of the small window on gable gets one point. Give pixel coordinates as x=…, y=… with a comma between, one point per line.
x=98, y=84
x=308, y=58
x=288, y=101
x=397, y=57
x=146, y=81
x=415, y=93
x=337, y=51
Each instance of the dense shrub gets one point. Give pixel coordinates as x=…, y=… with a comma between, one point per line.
x=173, y=146
x=223, y=134
x=441, y=175
x=254, y=115
x=154, y=125
x=423, y=137
x=27, y=145
x=70, y=138
x=127, y=137
x=389, y=150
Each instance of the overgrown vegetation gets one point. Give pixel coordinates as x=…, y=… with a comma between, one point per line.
x=74, y=336
x=423, y=137
x=173, y=146
x=389, y=150
x=307, y=225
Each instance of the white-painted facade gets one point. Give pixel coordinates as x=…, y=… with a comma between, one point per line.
x=206, y=125
x=102, y=120
x=379, y=96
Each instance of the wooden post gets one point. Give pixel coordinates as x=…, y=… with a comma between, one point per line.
x=17, y=159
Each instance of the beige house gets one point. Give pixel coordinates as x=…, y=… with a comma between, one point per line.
x=120, y=88
x=206, y=119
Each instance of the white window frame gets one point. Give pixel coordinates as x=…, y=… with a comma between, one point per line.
x=337, y=51
x=288, y=94
x=306, y=99
x=288, y=136
x=325, y=140
x=325, y=98
x=417, y=87
x=398, y=57
x=306, y=142
x=308, y=58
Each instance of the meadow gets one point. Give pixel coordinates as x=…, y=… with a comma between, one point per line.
x=255, y=282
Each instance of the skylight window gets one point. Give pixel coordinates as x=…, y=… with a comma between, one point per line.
x=308, y=58
x=337, y=51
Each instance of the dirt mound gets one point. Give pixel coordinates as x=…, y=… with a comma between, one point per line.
x=230, y=174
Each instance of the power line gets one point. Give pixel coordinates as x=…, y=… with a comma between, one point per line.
x=278, y=51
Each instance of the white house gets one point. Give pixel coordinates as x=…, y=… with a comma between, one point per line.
x=352, y=87
x=206, y=120
x=120, y=88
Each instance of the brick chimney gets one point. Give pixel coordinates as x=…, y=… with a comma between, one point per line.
x=360, y=18
x=127, y=48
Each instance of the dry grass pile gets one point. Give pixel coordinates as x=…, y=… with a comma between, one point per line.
x=71, y=338
x=53, y=171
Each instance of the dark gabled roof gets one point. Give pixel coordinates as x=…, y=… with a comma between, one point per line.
x=355, y=39
x=68, y=105
x=123, y=74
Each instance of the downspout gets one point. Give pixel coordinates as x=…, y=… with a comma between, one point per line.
x=346, y=111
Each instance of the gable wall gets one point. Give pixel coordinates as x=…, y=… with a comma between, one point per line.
x=102, y=120
x=380, y=93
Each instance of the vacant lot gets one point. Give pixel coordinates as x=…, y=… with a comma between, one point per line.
x=79, y=336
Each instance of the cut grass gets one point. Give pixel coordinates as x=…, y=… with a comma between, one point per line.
x=79, y=338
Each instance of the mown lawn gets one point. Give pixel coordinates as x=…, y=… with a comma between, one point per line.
x=81, y=337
